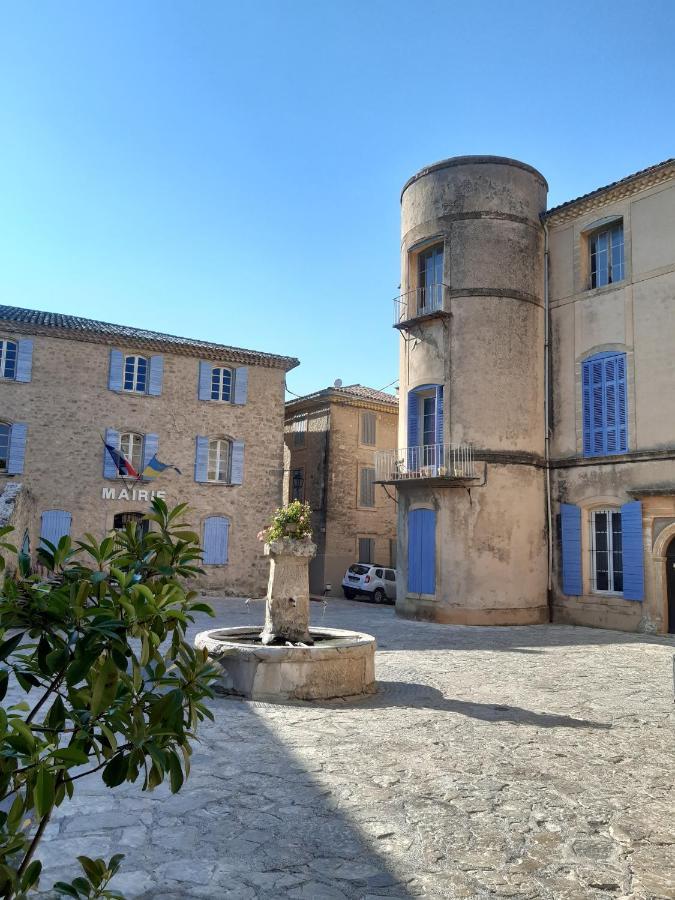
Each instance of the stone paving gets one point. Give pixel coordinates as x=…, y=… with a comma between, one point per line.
x=494, y=762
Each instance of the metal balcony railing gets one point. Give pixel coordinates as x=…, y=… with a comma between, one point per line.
x=428, y=461
x=421, y=301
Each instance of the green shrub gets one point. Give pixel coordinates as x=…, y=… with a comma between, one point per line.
x=112, y=685
x=293, y=520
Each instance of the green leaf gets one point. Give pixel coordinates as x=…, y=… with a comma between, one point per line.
x=105, y=686
x=93, y=869
x=4, y=682
x=116, y=770
x=115, y=862
x=31, y=875
x=9, y=646
x=66, y=889
x=43, y=795
x=175, y=773
x=72, y=755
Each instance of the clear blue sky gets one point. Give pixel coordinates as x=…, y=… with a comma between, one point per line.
x=231, y=171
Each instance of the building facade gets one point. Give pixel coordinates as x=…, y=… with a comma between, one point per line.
x=331, y=439
x=216, y=413
x=535, y=465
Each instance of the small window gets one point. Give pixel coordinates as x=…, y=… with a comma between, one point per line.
x=4, y=445
x=430, y=279
x=389, y=575
x=607, y=551
x=219, y=460
x=131, y=446
x=606, y=255
x=367, y=486
x=135, y=374
x=297, y=484
x=378, y=573
x=7, y=359
x=366, y=550
x=368, y=429
x=121, y=520
x=299, y=431
x=221, y=384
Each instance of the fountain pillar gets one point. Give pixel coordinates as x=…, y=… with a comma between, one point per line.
x=287, y=604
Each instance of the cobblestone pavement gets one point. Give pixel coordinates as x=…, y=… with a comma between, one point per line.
x=494, y=762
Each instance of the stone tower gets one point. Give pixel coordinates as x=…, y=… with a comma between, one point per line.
x=472, y=534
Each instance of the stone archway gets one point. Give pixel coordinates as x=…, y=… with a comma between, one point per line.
x=660, y=558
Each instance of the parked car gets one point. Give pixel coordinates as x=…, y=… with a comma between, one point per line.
x=373, y=581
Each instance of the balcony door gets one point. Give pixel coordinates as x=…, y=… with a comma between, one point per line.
x=425, y=427
x=430, y=279
x=422, y=551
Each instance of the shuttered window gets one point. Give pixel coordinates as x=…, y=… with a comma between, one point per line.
x=606, y=551
x=367, y=486
x=4, y=446
x=135, y=374
x=221, y=384
x=606, y=255
x=54, y=525
x=368, y=429
x=299, y=431
x=604, y=412
x=366, y=550
x=216, y=540
x=7, y=359
x=131, y=445
x=422, y=551
x=219, y=460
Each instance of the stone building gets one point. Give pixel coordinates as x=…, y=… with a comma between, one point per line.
x=214, y=412
x=331, y=439
x=535, y=465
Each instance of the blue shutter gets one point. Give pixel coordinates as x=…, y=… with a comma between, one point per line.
x=115, y=374
x=570, y=525
x=439, y=419
x=621, y=418
x=633, y=554
x=112, y=437
x=422, y=551
x=604, y=417
x=216, y=535
x=54, y=525
x=237, y=464
x=205, y=370
x=240, y=385
x=586, y=407
x=156, y=375
x=24, y=360
x=202, y=458
x=150, y=447
x=413, y=417
x=17, y=448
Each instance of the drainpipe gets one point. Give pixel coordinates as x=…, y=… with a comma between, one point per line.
x=547, y=430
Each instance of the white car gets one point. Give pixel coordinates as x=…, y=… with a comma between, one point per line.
x=376, y=582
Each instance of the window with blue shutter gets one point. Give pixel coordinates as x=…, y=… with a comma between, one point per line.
x=633, y=552
x=115, y=373
x=24, y=360
x=202, y=458
x=216, y=538
x=17, y=448
x=604, y=413
x=237, y=465
x=422, y=551
x=156, y=376
x=8, y=355
x=150, y=448
x=204, y=390
x=570, y=526
x=55, y=524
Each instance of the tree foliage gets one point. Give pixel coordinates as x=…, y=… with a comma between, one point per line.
x=112, y=686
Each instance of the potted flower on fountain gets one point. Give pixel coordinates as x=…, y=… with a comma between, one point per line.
x=288, y=543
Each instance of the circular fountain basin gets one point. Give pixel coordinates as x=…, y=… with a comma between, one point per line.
x=339, y=664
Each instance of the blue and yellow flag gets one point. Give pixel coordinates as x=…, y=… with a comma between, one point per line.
x=155, y=468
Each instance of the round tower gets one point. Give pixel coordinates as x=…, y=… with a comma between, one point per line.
x=472, y=526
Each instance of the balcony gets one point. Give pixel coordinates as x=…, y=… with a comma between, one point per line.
x=421, y=303
x=440, y=463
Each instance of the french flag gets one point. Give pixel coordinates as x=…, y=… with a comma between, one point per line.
x=123, y=465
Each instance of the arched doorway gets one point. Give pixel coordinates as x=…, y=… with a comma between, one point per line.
x=121, y=520
x=670, y=585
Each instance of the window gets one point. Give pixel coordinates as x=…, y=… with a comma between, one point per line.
x=389, y=575
x=607, y=551
x=297, y=484
x=428, y=420
x=216, y=541
x=121, y=520
x=5, y=430
x=368, y=428
x=221, y=384
x=135, y=374
x=366, y=550
x=7, y=359
x=367, y=486
x=219, y=460
x=604, y=415
x=430, y=279
x=299, y=431
x=131, y=446
x=606, y=255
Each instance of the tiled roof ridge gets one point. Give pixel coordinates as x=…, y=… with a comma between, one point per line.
x=349, y=392
x=629, y=184
x=107, y=332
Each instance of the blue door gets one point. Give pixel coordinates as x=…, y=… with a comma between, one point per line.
x=422, y=551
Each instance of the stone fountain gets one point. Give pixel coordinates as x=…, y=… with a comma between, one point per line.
x=286, y=659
